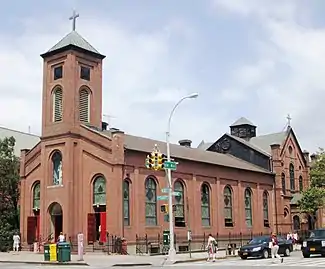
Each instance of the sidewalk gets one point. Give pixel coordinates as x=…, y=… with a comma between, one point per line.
x=96, y=259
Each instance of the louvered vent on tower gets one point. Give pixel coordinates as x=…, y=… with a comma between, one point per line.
x=84, y=105
x=58, y=105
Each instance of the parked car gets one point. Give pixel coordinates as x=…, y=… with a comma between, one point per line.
x=315, y=244
x=258, y=247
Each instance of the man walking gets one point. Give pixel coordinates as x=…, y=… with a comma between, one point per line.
x=274, y=244
x=212, y=248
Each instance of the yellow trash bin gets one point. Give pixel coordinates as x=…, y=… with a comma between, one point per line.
x=53, y=253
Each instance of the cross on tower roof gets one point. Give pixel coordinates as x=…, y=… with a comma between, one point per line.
x=74, y=17
x=289, y=120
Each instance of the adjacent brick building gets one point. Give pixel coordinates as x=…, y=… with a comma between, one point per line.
x=81, y=177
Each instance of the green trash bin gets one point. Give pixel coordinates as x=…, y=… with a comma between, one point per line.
x=64, y=252
x=166, y=238
x=47, y=252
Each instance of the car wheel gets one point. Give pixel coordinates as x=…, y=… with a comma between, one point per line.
x=243, y=257
x=265, y=254
x=306, y=255
x=287, y=252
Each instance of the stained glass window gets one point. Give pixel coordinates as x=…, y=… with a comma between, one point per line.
x=301, y=186
x=151, y=202
x=57, y=168
x=266, y=209
x=228, y=206
x=248, y=208
x=283, y=183
x=126, y=202
x=205, y=205
x=99, y=191
x=292, y=176
x=179, y=201
x=36, y=196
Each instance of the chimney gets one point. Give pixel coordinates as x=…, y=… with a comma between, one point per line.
x=306, y=155
x=185, y=143
x=104, y=125
x=115, y=131
x=275, y=149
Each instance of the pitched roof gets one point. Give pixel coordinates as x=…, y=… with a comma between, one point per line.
x=242, y=121
x=73, y=39
x=23, y=140
x=265, y=141
x=193, y=154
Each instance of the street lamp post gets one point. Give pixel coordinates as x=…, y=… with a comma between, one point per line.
x=172, y=251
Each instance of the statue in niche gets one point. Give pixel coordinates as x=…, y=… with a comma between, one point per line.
x=57, y=173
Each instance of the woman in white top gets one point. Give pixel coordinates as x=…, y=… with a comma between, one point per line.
x=212, y=248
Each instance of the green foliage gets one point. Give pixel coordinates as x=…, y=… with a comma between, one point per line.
x=317, y=173
x=312, y=199
x=9, y=193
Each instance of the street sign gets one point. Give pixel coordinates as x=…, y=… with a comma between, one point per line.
x=165, y=190
x=176, y=193
x=170, y=165
x=162, y=198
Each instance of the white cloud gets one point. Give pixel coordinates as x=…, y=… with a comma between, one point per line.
x=289, y=69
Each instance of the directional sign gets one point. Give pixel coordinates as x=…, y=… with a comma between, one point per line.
x=170, y=165
x=165, y=190
x=176, y=193
x=161, y=198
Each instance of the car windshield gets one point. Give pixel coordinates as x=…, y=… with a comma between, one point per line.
x=259, y=240
x=317, y=233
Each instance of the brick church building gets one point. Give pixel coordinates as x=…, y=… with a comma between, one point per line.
x=80, y=176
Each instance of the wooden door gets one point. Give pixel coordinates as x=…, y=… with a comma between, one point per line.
x=31, y=229
x=91, y=233
x=102, y=236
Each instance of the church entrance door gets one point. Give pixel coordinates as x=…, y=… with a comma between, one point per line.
x=100, y=212
x=56, y=220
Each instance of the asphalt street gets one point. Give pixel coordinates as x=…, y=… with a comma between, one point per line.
x=295, y=260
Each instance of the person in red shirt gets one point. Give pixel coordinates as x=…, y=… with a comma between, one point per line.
x=274, y=244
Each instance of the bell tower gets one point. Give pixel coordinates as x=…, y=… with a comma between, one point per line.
x=72, y=85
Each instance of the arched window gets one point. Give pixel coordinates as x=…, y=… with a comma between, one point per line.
x=266, y=209
x=301, y=185
x=296, y=223
x=205, y=205
x=292, y=176
x=84, y=103
x=227, y=193
x=151, y=202
x=283, y=183
x=179, y=204
x=126, y=202
x=36, y=195
x=99, y=191
x=57, y=168
x=248, y=208
x=57, y=104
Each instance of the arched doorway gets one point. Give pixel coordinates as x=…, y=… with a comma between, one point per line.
x=56, y=219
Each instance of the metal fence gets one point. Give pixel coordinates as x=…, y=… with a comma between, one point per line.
x=155, y=244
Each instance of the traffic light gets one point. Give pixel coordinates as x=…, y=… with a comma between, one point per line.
x=150, y=162
x=164, y=208
x=161, y=159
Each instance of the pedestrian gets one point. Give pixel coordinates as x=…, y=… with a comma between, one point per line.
x=212, y=248
x=274, y=244
x=16, y=239
x=61, y=238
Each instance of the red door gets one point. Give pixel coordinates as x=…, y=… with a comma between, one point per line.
x=102, y=237
x=91, y=228
x=37, y=228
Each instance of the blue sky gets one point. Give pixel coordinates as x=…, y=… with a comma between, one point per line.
x=260, y=59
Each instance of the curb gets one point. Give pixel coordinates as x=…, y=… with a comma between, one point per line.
x=203, y=259
x=131, y=264
x=47, y=263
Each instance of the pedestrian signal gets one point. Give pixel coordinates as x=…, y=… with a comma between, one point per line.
x=164, y=208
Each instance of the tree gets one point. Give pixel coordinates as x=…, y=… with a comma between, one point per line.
x=9, y=192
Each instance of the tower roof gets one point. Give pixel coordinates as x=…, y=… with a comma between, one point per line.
x=75, y=41
x=242, y=121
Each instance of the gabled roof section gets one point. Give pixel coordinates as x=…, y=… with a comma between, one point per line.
x=264, y=142
x=242, y=121
x=23, y=140
x=73, y=40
